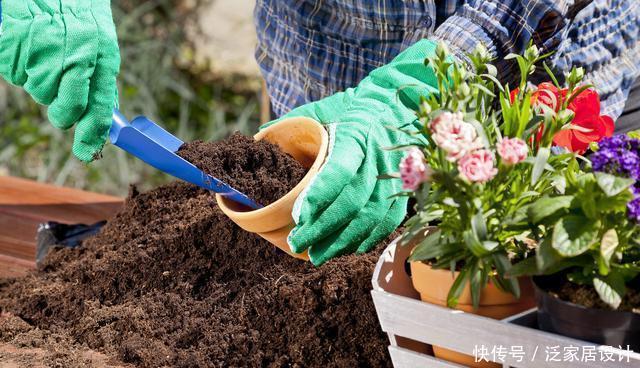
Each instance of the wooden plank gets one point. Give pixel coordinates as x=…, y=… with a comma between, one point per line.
x=22, y=191
x=14, y=267
x=18, y=236
x=26, y=199
x=403, y=358
x=24, y=204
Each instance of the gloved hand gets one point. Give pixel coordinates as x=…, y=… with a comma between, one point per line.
x=64, y=53
x=346, y=208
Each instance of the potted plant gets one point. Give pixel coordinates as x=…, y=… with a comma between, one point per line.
x=589, y=261
x=305, y=140
x=482, y=156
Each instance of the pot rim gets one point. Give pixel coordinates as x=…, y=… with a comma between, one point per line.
x=295, y=192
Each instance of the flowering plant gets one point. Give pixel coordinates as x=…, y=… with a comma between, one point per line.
x=591, y=227
x=483, y=155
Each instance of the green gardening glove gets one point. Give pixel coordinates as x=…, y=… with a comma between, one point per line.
x=64, y=53
x=346, y=208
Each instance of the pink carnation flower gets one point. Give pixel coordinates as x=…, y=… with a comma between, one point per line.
x=414, y=170
x=512, y=150
x=453, y=135
x=477, y=166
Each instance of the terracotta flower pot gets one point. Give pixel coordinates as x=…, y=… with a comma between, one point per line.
x=307, y=141
x=434, y=285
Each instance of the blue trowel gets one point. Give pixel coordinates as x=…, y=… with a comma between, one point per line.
x=152, y=144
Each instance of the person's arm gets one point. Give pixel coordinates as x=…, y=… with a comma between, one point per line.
x=64, y=53
x=507, y=26
x=346, y=208
x=604, y=39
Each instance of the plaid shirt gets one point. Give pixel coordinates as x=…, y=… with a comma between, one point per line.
x=310, y=49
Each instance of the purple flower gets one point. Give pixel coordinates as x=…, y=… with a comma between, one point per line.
x=620, y=155
x=633, y=210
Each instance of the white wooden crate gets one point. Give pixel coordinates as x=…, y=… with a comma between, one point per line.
x=403, y=316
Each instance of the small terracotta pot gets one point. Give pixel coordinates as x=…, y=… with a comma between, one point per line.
x=434, y=285
x=305, y=140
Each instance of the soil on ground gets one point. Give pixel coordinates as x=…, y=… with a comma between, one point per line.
x=23, y=345
x=171, y=281
x=587, y=296
x=247, y=165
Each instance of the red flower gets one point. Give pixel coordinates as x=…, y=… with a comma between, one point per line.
x=587, y=125
x=546, y=94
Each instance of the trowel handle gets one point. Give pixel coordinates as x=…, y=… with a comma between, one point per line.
x=152, y=144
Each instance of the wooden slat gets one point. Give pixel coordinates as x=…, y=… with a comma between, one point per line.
x=17, y=236
x=14, y=267
x=22, y=191
x=25, y=204
x=403, y=358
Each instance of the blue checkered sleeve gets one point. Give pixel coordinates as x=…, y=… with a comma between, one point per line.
x=602, y=38
x=310, y=49
x=504, y=27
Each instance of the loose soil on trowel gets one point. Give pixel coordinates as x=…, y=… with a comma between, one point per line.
x=170, y=281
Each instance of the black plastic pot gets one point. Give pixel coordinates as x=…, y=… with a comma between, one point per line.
x=605, y=327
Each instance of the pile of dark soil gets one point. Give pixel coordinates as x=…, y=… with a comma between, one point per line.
x=247, y=165
x=22, y=345
x=170, y=281
x=587, y=296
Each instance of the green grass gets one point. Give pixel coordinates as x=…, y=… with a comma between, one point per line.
x=158, y=79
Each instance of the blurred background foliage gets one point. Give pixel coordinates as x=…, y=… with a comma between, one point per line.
x=159, y=78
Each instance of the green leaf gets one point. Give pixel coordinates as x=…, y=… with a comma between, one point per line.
x=526, y=267
x=610, y=289
x=457, y=288
x=546, y=256
x=494, y=80
x=504, y=278
x=431, y=247
x=608, y=246
x=547, y=206
x=491, y=69
x=551, y=75
x=490, y=245
x=389, y=176
x=474, y=244
x=549, y=261
x=612, y=185
x=400, y=195
x=479, y=226
x=539, y=164
x=475, y=279
x=616, y=203
x=574, y=235
x=588, y=205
